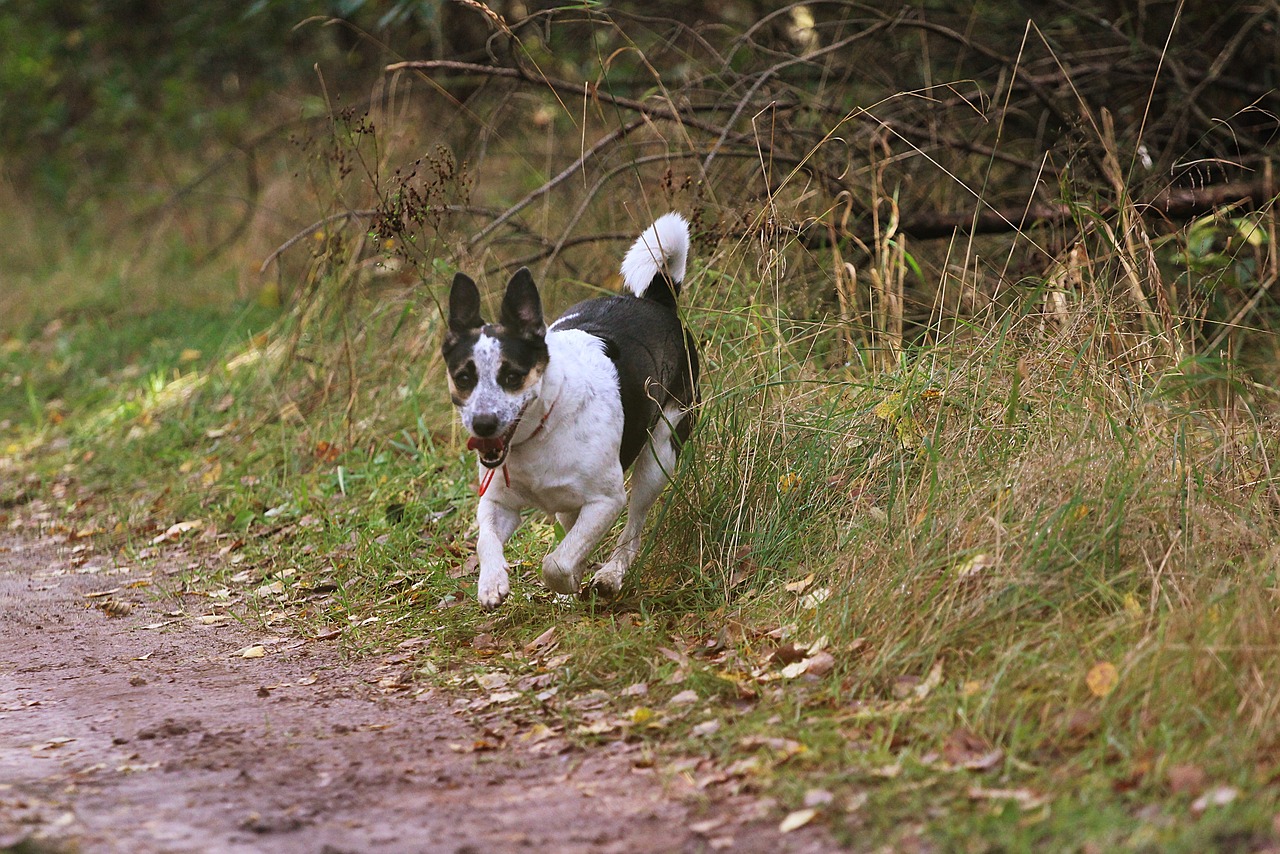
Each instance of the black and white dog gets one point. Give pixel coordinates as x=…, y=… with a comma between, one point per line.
x=558, y=415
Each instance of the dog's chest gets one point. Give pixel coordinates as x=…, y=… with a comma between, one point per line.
x=563, y=483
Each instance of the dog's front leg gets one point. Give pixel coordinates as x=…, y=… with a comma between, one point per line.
x=497, y=523
x=562, y=569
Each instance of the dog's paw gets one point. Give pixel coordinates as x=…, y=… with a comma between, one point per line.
x=608, y=579
x=492, y=589
x=558, y=578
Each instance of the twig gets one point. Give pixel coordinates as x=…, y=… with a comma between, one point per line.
x=605, y=141
x=284, y=247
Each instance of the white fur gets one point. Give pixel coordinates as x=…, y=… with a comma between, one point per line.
x=663, y=244
x=570, y=467
x=563, y=457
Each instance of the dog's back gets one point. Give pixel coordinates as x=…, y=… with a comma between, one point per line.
x=656, y=359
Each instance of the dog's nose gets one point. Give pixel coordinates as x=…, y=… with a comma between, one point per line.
x=484, y=425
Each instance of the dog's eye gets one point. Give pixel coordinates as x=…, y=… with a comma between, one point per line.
x=510, y=378
x=465, y=377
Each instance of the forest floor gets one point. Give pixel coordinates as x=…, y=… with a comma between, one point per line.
x=152, y=731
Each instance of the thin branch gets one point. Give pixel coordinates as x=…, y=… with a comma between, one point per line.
x=604, y=142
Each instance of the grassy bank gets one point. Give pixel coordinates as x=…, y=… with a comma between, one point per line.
x=1014, y=587
x=973, y=544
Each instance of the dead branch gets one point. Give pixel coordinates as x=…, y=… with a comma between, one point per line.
x=1178, y=203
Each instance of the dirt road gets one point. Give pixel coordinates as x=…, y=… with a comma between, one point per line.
x=145, y=732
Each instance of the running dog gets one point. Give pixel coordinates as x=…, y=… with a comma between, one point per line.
x=557, y=415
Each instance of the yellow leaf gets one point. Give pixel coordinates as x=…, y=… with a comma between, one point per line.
x=255, y=651
x=788, y=482
x=888, y=408
x=211, y=475
x=641, y=715
x=974, y=565
x=1102, y=678
x=799, y=586
x=796, y=820
x=1132, y=606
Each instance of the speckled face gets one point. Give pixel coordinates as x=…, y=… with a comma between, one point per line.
x=492, y=378
x=495, y=370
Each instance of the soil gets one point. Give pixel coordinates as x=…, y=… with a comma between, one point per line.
x=146, y=732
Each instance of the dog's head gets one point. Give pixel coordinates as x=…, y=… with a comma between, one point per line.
x=495, y=370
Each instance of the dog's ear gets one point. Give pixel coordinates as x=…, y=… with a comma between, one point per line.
x=464, y=306
x=522, y=307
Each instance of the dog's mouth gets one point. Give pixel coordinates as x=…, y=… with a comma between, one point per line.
x=493, y=451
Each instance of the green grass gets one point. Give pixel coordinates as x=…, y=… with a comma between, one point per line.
x=880, y=561
x=979, y=534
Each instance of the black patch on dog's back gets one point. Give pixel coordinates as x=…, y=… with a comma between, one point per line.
x=655, y=359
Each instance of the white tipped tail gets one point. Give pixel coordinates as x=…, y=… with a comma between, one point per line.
x=663, y=245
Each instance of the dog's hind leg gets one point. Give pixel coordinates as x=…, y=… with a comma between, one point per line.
x=653, y=470
x=562, y=569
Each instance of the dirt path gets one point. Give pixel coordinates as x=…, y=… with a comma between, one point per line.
x=116, y=737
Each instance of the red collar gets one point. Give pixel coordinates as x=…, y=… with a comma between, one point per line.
x=487, y=478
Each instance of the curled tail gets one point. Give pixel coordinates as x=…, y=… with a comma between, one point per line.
x=654, y=265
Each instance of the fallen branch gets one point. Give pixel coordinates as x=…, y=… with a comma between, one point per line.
x=1177, y=203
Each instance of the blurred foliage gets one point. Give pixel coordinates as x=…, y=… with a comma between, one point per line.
x=93, y=84
x=90, y=87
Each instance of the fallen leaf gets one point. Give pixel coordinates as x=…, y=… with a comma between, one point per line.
x=966, y=749
x=974, y=565
x=600, y=727
x=270, y=589
x=254, y=651
x=818, y=798
x=1218, y=796
x=799, y=586
x=1024, y=798
x=703, y=828
x=641, y=715
x=794, y=669
x=492, y=681
x=815, y=597
x=469, y=567
x=176, y=530
x=684, y=698
x=542, y=642
x=797, y=820
x=820, y=664
x=1101, y=679
x=1185, y=779
x=789, y=653
x=706, y=728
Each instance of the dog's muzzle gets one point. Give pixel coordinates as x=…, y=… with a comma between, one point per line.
x=493, y=451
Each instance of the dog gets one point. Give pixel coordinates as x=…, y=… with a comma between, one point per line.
x=558, y=415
